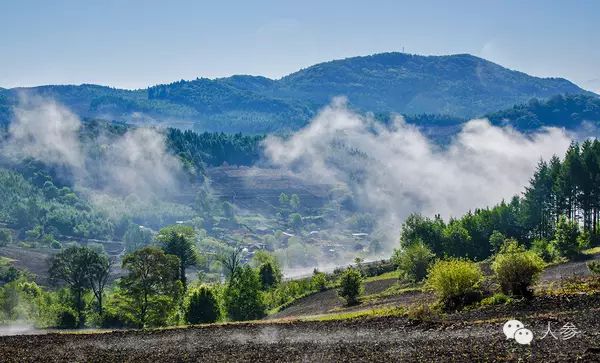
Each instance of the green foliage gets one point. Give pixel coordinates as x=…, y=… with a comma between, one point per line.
x=545, y=249
x=565, y=239
x=319, y=281
x=295, y=221
x=516, y=269
x=413, y=261
x=66, y=319
x=351, y=286
x=151, y=289
x=202, y=306
x=496, y=240
x=179, y=240
x=77, y=267
x=262, y=257
x=594, y=267
x=242, y=297
x=455, y=282
x=267, y=274
x=6, y=237
x=496, y=299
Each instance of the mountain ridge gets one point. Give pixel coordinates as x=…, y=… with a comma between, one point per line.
x=460, y=85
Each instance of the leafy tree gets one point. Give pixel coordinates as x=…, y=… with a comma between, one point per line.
x=565, y=238
x=98, y=275
x=284, y=199
x=178, y=240
x=296, y=221
x=151, y=287
x=295, y=202
x=202, y=306
x=231, y=261
x=457, y=241
x=74, y=266
x=268, y=277
x=413, y=261
x=242, y=297
x=497, y=240
x=429, y=231
x=351, y=286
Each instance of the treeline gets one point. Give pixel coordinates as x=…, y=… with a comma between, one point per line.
x=153, y=289
x=214, y=149
x=563, y=195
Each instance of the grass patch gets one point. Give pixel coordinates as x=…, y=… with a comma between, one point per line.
x=384, y=276
x=379, y=312
x=394, y=290
x=591, y=251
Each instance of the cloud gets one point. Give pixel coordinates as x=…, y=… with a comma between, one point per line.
x=136, y=162
x=395, y=170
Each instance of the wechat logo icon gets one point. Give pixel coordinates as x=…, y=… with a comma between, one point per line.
x=514, y=329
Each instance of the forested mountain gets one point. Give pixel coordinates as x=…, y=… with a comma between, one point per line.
x=560, y=111
x=456, y=85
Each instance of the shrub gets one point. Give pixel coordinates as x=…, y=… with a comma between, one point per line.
x=496, y=299
x=56, y=245
x=456, y=282
x=319, y=281
x=351, y=286
x=594, y=267
x=242, y=297
x=516, y=269
x=66, y=319
x=543, y=248
x=414, y=261
x=202, y=306
x=116, y=319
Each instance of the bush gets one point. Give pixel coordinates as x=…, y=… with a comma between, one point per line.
x=55, y=245
x=414, y=261
x=594, y=267
x=202, y=306
x=66, y=319
x=516, y=269
x=351, y=286
x=421, y=313
x=546, y=250
x=242, y=297
x=496, y=299
x=114, y=319
x=319, y=281
x=456, y=282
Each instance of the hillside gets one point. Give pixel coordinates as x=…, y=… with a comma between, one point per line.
x=456, y=85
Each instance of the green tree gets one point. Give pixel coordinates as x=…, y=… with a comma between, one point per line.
x=497, y=240
x=351, y=286
x=429, y=231
x=268, y=277
x=98, y=275
x=178, y=240
x=151, y=287
x=243, y=297
x=413, y=261
x=565, y=238
x=74, y=266
x=295, y=202
x=202, y=306
x=295, y=221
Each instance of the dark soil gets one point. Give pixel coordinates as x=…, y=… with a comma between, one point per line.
x=461, y=337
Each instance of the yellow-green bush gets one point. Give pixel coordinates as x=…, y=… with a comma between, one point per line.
x=455, y=282
x=516, y=269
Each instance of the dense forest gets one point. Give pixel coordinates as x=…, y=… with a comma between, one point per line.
x=562, y=194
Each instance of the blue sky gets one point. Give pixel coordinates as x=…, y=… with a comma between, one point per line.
x=133, y=44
